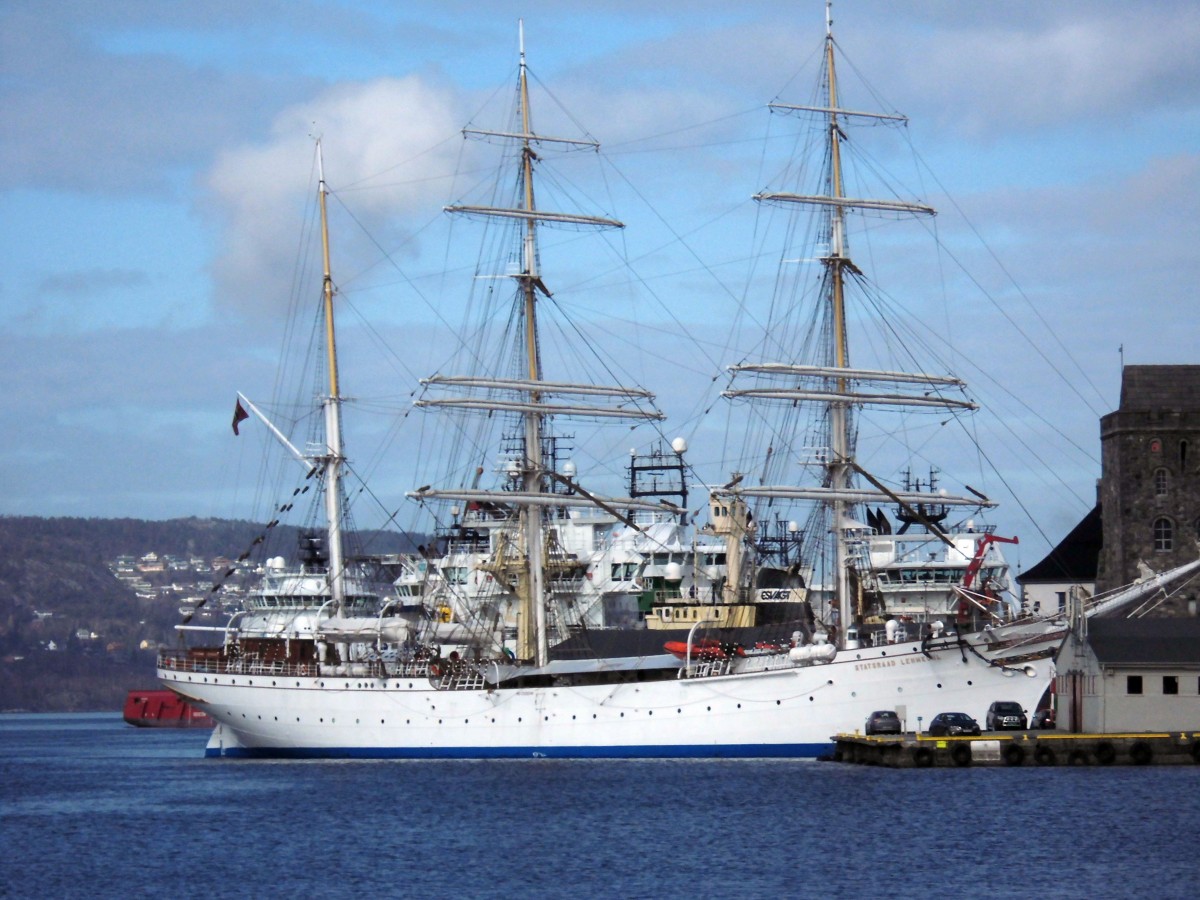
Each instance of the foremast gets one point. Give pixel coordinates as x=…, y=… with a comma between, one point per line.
x=838, y=465
x=531, y=396
x=834, y=382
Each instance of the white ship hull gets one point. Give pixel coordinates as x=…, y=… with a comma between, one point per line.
x=786, y=712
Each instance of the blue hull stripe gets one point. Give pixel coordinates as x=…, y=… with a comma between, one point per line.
x=671, y=751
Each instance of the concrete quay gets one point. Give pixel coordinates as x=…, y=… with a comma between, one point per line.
x=1018, y=748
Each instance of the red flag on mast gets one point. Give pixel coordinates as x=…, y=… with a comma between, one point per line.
x=239, y=415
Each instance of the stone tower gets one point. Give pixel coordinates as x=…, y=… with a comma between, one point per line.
x=1150, y=487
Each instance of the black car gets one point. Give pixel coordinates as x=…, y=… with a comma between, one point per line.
x=1005, y=715
x=948, y=724
x=1043, y=718
x=883, y=721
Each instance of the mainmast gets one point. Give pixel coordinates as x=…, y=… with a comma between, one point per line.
x=333, y=457
x=531, y=635
x=530, y=395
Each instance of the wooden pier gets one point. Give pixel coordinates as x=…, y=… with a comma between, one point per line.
x=1019, y=748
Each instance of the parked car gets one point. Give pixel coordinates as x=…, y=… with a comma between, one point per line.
x=1043, y=718
x=1005, y=715
x=952, y=723
x=883, y=721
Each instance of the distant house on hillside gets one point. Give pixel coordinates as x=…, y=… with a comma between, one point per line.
x=1130, y=675
x=151, y=562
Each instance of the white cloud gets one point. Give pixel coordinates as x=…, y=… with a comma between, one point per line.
x=384, y=141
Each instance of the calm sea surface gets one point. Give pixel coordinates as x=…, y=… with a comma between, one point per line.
x=90, y=807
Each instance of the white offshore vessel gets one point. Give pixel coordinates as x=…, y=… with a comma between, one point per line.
x=530, y=643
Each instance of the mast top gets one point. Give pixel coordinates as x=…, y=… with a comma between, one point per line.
x=829, y=18
x=521, y=40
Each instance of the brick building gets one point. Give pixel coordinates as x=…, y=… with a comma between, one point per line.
x=1150, y=486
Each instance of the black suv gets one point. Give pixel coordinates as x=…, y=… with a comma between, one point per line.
x=951, y=723
x=883, y=721
x=1005, y=715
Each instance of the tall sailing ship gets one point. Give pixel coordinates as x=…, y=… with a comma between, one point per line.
x=551, y=621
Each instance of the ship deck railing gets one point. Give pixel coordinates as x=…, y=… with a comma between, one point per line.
x=182, y=661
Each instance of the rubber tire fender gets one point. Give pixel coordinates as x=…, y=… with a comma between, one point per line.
x=1106, y=753
x=922, y=757
x=1044, y=756
x=1014, y=754
x=961, y=755
x=1141, y=754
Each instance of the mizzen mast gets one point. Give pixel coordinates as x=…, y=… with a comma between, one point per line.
x=333, y=458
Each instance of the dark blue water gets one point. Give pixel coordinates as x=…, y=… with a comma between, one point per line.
x=92, y=807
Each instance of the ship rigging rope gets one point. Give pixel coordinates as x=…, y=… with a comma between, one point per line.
x=260, y=538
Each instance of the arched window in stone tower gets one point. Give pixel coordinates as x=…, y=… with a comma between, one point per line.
x=1164, y=535
x=1162, y=482
x=1183, y=449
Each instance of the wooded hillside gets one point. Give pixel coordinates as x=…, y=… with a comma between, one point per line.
x=56, y=582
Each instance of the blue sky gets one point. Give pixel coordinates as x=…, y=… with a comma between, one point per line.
x=155, y=159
